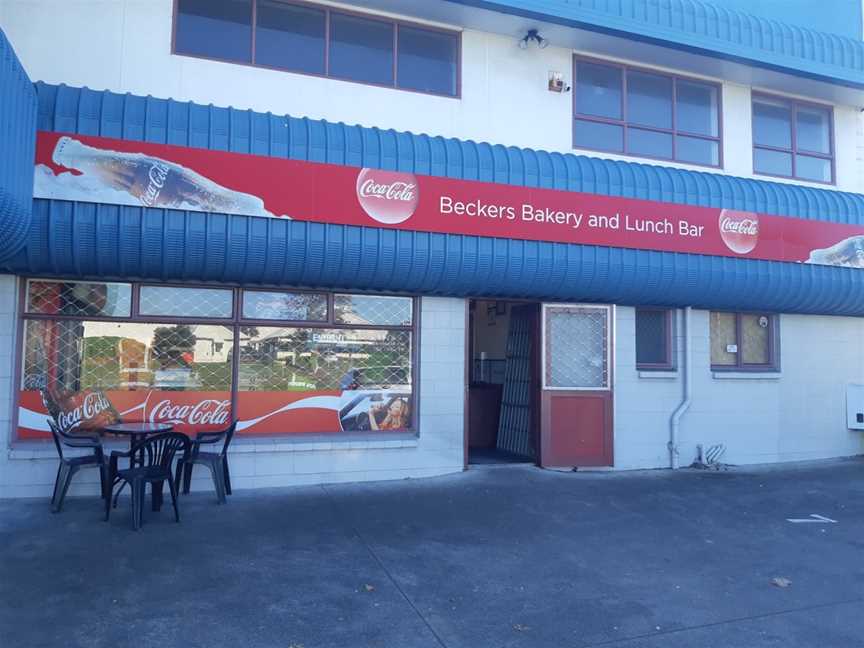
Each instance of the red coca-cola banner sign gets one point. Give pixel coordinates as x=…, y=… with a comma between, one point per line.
x=96, y=169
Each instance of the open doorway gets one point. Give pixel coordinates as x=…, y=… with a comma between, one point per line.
x=503, y=394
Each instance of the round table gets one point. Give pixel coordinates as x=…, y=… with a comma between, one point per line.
x=137, y=431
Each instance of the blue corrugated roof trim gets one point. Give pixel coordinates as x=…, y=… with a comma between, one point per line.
x=706, y=28
x=17, y=125
x=86, y=240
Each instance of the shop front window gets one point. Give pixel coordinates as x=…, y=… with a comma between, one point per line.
x=93, y=355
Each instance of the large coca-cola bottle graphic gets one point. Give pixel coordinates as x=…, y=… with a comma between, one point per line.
x=848, y=253
x=153, y=181
x=88, y=409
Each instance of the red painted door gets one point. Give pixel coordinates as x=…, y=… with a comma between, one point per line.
x=576, y=402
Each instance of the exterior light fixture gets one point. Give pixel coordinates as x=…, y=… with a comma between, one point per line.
x=533, y=36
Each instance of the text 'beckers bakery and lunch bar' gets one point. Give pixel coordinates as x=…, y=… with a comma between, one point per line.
x=94, y=169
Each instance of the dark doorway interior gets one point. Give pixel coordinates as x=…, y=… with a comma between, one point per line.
x=503, y=396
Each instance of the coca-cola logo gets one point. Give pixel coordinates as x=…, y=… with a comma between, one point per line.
x=91, y=406
x=739, y=230
x=389, y=197
x=209, y=411
x=156, y=181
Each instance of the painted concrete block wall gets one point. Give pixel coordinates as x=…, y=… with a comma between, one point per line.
x=798, y=413
x=124, y=45
x=28, y=469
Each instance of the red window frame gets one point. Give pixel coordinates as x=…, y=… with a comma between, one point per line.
x=328, y=10
x=669, y=363
x=625, y=125
x=794, y=151
x=773, y=363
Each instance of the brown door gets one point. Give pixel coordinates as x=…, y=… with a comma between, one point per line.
x=576, y=401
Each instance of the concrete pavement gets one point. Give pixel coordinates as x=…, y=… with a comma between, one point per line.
x=497, y=556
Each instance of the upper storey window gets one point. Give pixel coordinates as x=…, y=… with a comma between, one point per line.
x=317, y=40
x=792, y=139
x=638, y=112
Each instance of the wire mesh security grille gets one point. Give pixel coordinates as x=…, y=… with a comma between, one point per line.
x=372, y=309
x=172, y=301
x=653, y=338
x=71, y=355
x=79, y=299
x=291, y=306
x=299, y=359
x=576, y=353
x=156, y=351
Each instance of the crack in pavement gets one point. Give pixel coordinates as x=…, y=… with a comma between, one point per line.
x=383, y=567
x=714, y=624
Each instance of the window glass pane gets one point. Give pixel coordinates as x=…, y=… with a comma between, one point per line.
x=79, y=298
x=650, y=143
x=89, y=374
x=649, y=99
x=773, y=162
x=697, y=151
x=361, y=49
x=372, y=309
x=696, y=108
x=220, y=30
x=576, y=349
x=285, y=306
x=722, y=339
x=813, y=168
x=772, y=123
x=598, y=136
x=813, y=130
x=185, y=302
x=325, y=380
x=754, y=339
x=427, y=60
x=290, y=37
x=652, y=337
x=598, y=90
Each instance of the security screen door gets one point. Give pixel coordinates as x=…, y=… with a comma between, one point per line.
x=576, y=403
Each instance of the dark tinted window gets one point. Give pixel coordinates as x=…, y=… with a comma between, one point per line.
x=623, y=110
x=219, y=30
x=653, y=339
x=792, y=139
x=697, y=108
x=427, y=60
x=772, y=123
x=361, y=49
x=290, y=37
x=316, y=39
x=649, y=100
x=598, y=90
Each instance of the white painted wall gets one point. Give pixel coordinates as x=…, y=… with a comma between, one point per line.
x=795, y=414
x=28, y=469
x=124, y=45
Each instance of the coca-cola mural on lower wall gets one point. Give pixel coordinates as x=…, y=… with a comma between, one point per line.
x=258, y=413
x=102, y=170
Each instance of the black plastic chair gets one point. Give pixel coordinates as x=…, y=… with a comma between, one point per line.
x=71, y=465
x=217, y=462
x=156, y=455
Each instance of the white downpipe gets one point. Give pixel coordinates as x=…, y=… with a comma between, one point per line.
x=675, y=420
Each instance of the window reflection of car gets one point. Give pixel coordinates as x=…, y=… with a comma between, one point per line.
x=377, y=410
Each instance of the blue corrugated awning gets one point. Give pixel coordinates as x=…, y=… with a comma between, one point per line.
x=107, y=241
x=705, y=28
x=17, y=143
